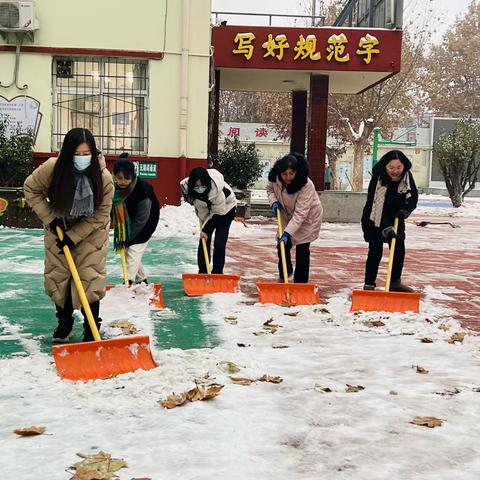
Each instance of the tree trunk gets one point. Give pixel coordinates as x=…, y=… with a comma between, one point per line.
x=456, y=194
x=357, y=177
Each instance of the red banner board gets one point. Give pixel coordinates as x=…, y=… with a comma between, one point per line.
x=287, y=48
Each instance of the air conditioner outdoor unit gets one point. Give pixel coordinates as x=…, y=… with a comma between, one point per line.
x=17, y=16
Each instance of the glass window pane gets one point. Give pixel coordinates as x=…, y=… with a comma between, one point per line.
x=123, y=123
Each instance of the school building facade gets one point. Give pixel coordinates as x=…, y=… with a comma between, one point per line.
x=136, y=75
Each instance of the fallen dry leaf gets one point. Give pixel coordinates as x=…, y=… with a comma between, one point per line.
x=291, y=314
x=430, y=422
x=203, y=393
x=125, y=326
x=199, y=392
x=354, y=388
x=270, y=379
x=393, y=392
x=260, y=334
x=320, y=310
x=228, y=367
x=457, y=337
x=173, y=400
x=29, y=431
x=241, y=380
x=449, y=393
x=444, y=327
x=374, y=323
x=99, y=466
x=271, y=327
x=322, y=389
x=421, y=370
x=231, y=320
x=279, y=345
x=426, y=340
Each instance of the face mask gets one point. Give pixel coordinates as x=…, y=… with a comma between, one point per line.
x=82, y=162
x=200, y=190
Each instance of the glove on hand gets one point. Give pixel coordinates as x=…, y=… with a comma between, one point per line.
x=403, y=214
x=284, y=238
x=66, y=241
x=56, y=222
x=276, y=206
x=389, y=233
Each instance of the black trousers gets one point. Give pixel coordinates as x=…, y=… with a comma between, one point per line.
x=302, y=267
x=375, y=252
x=65, y=313
x=219, y=246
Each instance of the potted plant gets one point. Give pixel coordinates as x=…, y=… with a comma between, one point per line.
x=241, y=168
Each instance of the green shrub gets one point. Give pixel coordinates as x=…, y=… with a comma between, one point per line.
x=239, y=164
x=15, y=155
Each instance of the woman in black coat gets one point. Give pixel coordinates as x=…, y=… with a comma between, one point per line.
x=391, y=193
x=136, y=212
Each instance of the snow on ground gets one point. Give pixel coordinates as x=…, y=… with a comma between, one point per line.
x=261, y=431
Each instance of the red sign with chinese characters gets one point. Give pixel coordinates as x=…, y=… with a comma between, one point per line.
x=333, y=48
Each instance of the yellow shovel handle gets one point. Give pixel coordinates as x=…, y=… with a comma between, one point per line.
x=79, y=287
x=390, y=257
x=282, y=248
x=124, y=266
x=205, y=252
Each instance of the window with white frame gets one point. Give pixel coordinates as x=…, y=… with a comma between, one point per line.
x=109, y=96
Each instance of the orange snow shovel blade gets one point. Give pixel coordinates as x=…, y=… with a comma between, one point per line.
x=288, y=293
x=379, y=301
x=195, y=284
x=386, y=301
x=103, y=359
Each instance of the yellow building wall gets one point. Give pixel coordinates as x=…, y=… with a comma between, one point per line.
x=125, y=25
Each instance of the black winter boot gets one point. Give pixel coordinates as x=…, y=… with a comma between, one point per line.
x=63, y=331
x=398, y=286
x=87, y=331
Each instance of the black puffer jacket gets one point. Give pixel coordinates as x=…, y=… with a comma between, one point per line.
x=394, y=201
x=144, y=211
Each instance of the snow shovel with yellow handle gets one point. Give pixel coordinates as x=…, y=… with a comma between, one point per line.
x=386, y=301
x=195, y=284
x=287, y=294
x=156, y=300
x=100, y=358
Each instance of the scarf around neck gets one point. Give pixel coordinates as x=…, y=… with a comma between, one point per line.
x=82, y=205
x=379, y=197
x=121, y=220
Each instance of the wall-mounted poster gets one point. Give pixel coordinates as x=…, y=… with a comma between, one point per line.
x=23, y=114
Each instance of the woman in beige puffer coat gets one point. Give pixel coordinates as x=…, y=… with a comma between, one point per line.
x=73, y=191
x=293, y=193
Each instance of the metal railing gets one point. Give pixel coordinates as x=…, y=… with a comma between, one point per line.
x=220, y=17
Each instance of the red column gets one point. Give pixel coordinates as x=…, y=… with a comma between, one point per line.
x=299, y=121
x=213, y=120
x=317, y=132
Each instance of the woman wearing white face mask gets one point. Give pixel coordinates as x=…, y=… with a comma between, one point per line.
x=214, y=203
x=73, y=191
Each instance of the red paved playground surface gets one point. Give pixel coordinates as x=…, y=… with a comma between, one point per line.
x=440, y=259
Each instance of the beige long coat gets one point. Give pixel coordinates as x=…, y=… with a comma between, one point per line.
x=302, y=211
x=90, y=235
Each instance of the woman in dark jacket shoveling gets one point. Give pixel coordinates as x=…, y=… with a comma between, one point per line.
x=135, y=215
x=392, y=193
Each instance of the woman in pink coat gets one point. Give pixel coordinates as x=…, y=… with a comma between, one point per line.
x=293, y=193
